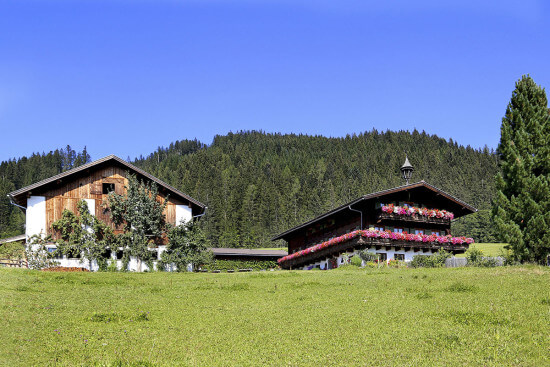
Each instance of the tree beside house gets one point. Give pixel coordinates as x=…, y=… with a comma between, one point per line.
x=105, y=209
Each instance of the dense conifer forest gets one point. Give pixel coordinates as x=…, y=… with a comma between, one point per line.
x=17, y=173
x=257, y=184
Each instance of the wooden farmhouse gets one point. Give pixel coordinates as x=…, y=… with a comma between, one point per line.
x=398, y=223
x=44, y=201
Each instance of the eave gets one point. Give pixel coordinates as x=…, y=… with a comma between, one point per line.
x=19, y=196
x=374, y=195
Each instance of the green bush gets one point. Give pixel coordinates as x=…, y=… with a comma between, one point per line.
x=396, y=264
x=371, y=265
x=475, y=258
x=474, y=255
x=436, y=260
x=112, y=266
x=224, y=265
x=367, y=256
x=356, y=261
x=14, y=250
x=508, y=256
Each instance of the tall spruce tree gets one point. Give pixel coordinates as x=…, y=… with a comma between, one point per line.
x=521, y=208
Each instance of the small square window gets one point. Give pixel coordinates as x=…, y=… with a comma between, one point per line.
x=107, y=253
x=399, y=257
x=382, y=256
x=108, y=187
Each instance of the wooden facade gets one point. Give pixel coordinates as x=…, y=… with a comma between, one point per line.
x=67, y=195
x=94, y=181
x=366, y=213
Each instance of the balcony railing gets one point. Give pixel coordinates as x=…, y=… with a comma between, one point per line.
x=416, y=218
x=374, y=238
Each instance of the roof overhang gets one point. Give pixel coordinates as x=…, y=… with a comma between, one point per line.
x=218, y=251
x=19, y=196
x=20, y=237
x=414, y=186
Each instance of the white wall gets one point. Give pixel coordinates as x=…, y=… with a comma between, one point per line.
x=389, y=251
x=183, y=213
x=133, y=265
x=91, y=209
x=91, y=205
x=35, y=216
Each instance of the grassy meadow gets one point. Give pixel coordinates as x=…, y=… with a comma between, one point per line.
x=344, y=317
x=489, y=249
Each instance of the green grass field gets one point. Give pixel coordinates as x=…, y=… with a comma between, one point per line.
x=396, y=317
x=489, y=249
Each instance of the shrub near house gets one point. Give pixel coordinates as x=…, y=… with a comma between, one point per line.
x=112, y=189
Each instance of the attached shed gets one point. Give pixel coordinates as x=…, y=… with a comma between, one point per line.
x=243, y=254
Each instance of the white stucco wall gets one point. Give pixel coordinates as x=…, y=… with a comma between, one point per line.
x=183, y=214
x=91, y=209
x=91, y=205
x=133, y=265
x=389, y=251
x=35, y=216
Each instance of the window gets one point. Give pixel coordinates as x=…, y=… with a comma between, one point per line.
x=399, y=257
x=119, y=254
x=154, y=253
x=379, y=228
x=436, y=233
x=382, y=256
x=108, y=187
x=73, y=254
x=418, y=231
x=398, y=230
x=106, y=253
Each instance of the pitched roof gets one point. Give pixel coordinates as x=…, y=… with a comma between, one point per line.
x=375, y=195
x=20, y=237
x=17, y=193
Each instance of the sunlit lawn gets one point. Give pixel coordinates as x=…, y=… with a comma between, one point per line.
x=489, y=249
x=460, y=316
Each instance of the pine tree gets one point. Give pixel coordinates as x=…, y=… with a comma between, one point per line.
x=521, y=209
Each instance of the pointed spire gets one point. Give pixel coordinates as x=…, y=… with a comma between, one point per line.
x=407, y=164
x=407, y=169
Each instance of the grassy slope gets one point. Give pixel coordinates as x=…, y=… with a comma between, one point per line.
x=461, y=316
x=489, y=249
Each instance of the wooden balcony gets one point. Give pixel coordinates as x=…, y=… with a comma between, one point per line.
x=359, y=243
x=415, y=218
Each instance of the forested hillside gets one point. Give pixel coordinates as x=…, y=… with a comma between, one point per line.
x=257, y=185
x=17, y=173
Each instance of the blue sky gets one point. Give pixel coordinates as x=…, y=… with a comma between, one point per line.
x=127, y=76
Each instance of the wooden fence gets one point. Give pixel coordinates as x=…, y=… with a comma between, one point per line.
x=11, y=263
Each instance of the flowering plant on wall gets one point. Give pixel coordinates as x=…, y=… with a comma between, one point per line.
x=413, y=210
x=374, y=233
